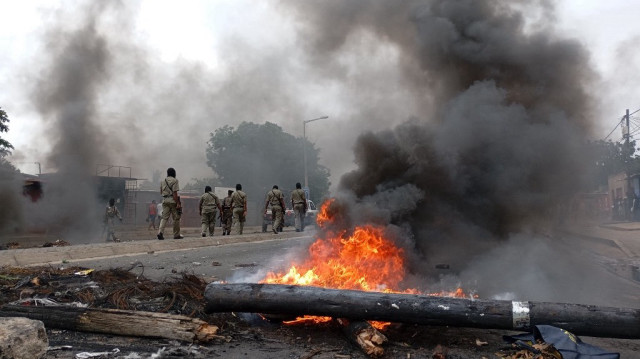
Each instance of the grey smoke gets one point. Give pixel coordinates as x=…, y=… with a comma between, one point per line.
x=471, y=118
x=494, y=149
x=66, y=95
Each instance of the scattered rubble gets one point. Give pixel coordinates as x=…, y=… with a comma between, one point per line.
x=83, y=290
x=57, y=243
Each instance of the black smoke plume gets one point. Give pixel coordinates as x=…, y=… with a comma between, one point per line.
x=496, y=147
x=66, y=95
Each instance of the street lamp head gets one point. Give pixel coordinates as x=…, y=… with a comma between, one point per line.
x=316, y=119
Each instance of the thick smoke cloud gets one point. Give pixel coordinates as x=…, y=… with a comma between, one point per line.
x=494, y=148
x=66, y=96
x=472, y=116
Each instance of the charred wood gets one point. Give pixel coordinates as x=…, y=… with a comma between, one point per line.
x=116, y=321
x=366, y=337
x=579, y=319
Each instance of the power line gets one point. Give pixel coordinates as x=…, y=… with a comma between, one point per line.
x=619, y=122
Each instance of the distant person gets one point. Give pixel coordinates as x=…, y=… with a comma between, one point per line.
x=109, y=217
x=227, y=214
x=299, y=204
x=171, y=206
x=153, y=213
x=276, y=200
x=208, y=208
x=239, y=207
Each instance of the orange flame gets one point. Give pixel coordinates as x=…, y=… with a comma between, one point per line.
x=360, y=260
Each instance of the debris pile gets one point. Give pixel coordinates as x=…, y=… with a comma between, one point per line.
x=57, y=243
x=116, y=288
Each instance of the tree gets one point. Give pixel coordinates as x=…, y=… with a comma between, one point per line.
x=5, y=146
x=259, y=156
x=198, y=184
x=608, y=158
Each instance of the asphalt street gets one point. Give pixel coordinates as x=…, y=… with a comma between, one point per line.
x=603, y=255
x=231, y=262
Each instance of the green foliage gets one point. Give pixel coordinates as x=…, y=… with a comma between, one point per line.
x=261, y=155
x=5, y=146
x=608, y=158
x=154, y=183
x=198, y=184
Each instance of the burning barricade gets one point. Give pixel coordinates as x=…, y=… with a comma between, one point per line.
x=355, y=275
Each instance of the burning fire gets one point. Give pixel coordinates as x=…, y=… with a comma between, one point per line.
x=360, y=259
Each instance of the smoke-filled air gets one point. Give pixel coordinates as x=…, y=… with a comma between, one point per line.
x=458, y=125
x=486, y=166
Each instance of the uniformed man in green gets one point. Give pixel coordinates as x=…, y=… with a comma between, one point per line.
x=208, y=208
x=171, y=205
x=109, y=217
x=299, y=204
x=275, y=198
x=239, y=207
x=227, y=214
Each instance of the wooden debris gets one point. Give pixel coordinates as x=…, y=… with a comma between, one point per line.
x=57, y=243
x=366, y=337
x=439, y=352
x=480, y=343
x=116, y=321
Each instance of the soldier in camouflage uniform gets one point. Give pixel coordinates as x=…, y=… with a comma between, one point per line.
x=299, y=203
x=227, y=214
x=276, y=200
x=109, y=217
x=239, y=206
x=207, y=207
x=171, y=206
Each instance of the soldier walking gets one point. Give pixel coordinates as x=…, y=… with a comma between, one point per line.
x=276, y=200
x=239, y=207
x=227, y=214
x=207, y=207
x=109, y=216
x=299, y=203
x=171, y=206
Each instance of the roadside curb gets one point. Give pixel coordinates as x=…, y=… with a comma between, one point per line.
x=607, y=241
x=50, y=255
x=618, y=228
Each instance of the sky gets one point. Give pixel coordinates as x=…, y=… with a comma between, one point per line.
x=200, y=65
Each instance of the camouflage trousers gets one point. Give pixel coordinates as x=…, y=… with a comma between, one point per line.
x=209, y=222
x=298, y=212
x=276, y=212
x=238, y=220
x=227, y=221
x=109, y=228
x=170, y=209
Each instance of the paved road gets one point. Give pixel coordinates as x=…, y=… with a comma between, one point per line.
x=232, y=262
x=599, y=256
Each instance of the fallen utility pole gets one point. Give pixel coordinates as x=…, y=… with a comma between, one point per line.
x=117, y=321
x=579, y=319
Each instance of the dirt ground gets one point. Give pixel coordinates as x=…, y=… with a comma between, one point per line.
x=249, y=336
x=242, y=335
x=265, y=341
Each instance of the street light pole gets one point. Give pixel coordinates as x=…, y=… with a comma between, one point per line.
x=304, y=146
